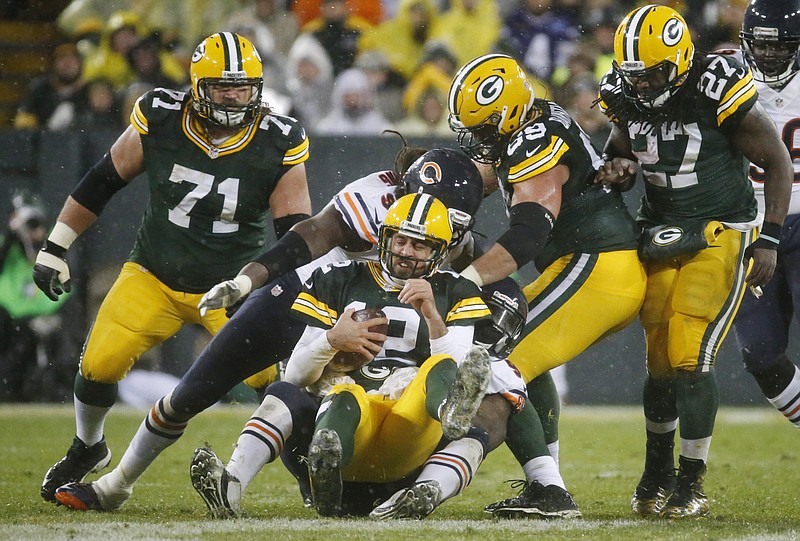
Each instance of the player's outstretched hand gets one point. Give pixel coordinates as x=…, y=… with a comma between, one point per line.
x=225, y=294
x=51, y=272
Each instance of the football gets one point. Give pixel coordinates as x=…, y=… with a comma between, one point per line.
x=345, y=361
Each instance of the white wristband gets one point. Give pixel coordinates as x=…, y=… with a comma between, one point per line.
x=473, y=275
x=62, y=235
x=245, y=284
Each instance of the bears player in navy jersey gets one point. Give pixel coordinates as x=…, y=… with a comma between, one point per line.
x=218, y=161
x=689, y=121
x=770, y=41
x=580, y=236
x=260, y=334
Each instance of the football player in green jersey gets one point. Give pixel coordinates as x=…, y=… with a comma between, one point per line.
x=580, y=236
x=689, y=120
x=217, y=162
x=371, y=429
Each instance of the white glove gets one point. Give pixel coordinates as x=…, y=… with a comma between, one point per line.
x=225, y=294
x=325, y=384
x=393, y=386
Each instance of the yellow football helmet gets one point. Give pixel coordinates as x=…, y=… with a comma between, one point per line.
x=422, y=217
x=229, y=59
x=653, y=52
x=489, y=99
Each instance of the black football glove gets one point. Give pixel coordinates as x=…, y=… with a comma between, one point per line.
x=51, y=272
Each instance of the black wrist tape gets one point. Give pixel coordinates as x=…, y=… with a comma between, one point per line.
x=528, y=231
x=770, y=232
x=52, y=248
x=285, y=255
x=98, y=185
x=285, y=223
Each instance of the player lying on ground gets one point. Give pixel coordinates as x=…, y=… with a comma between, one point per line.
x=284, y=423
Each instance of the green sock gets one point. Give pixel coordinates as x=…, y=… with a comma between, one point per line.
x=93, y=393
x=658, y=399
x=437, y=384
x=342, y=417
x=697, y=403
x=543, y=396
x=524, y=435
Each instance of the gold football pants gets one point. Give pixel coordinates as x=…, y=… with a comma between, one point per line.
x=577, y=300
x=393, y=437
x=691, y=302
x=138, y=313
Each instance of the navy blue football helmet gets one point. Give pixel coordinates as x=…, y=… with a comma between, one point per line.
x=770, y=39
x=451, y=177
x=509, y=312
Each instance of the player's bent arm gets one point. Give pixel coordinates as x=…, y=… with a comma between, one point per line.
x=116, y=169
x=290, y=195
x=290, y=204
x=759, y=141
x=418, y=293
x=81, y=209
x=305, y=241
x=456, y=343
x=309, y=357
x=534, y=208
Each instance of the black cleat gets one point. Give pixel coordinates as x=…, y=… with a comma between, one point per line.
x=652, y=492
x=325, y=472
x=79, y=462
x=537, y=501
x=688, y=500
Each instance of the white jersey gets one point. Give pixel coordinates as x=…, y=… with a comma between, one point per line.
x=363, y=205
x=784, y=108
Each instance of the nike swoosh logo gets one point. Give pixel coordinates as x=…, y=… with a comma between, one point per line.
x=530, y=153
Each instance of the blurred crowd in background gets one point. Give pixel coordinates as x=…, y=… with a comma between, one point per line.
x=342, y=67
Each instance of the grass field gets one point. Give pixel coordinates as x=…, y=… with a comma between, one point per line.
x=753, y=482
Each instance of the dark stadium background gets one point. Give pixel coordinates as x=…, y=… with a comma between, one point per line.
x=610, y=372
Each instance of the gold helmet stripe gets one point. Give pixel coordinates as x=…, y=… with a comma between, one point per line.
x=631, y=37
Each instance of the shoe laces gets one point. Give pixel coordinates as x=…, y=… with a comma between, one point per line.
x=520, y=485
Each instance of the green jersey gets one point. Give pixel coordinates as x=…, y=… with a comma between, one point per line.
x=592, y=218
x=208, y=210
x=692, y=169
x=360, y=284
